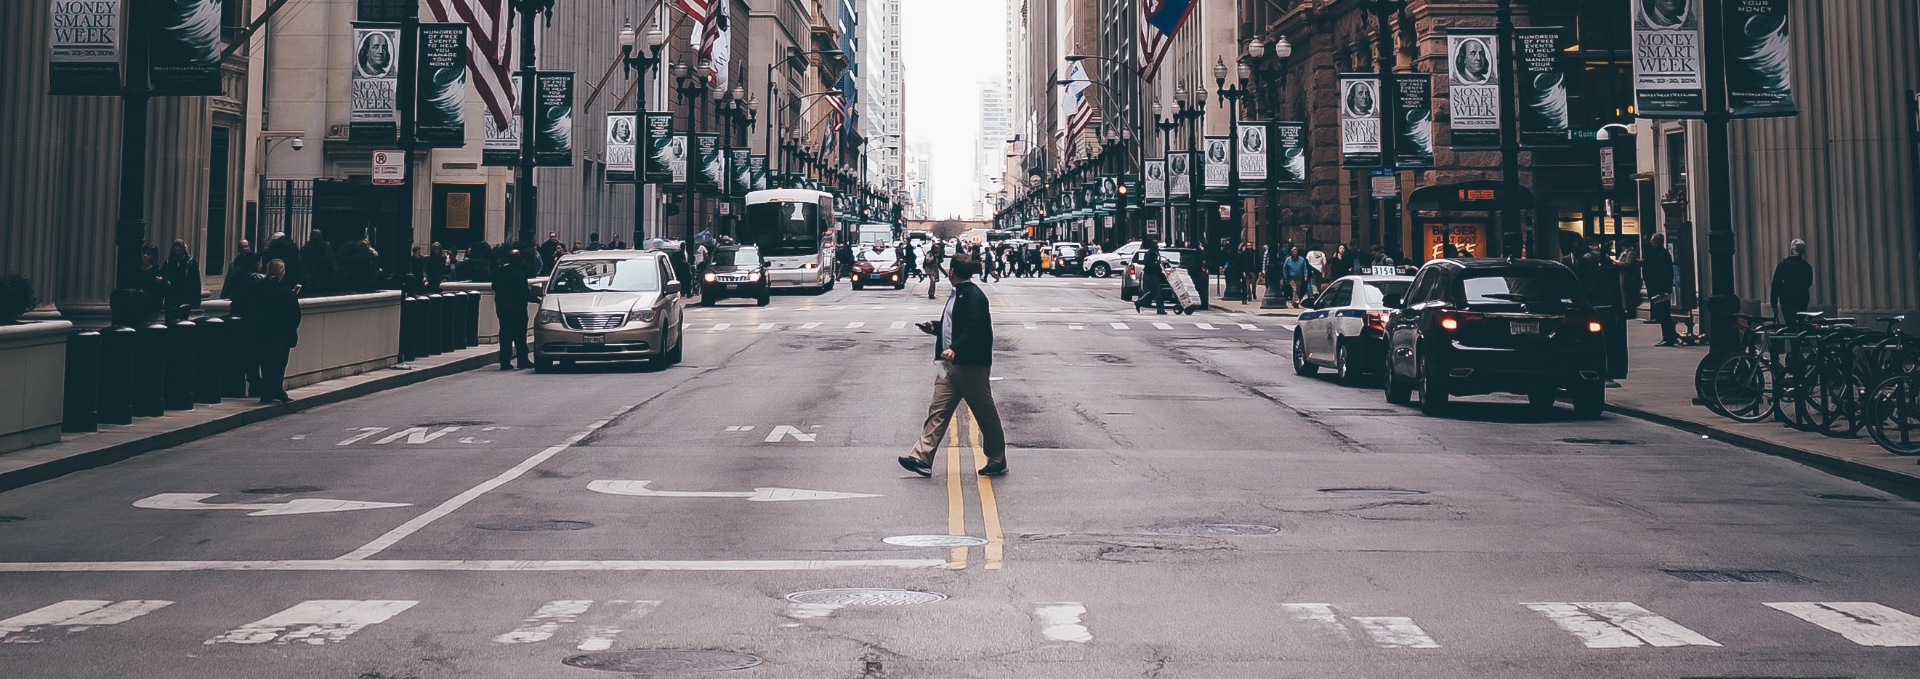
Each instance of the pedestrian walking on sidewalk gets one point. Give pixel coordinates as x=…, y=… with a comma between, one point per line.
x=1656, y=268
x=935, y=253
x=1629, y=261
x=963, y=346
x=1153, y=279
x=511, y=295
x=275, y=307
x=1294, y=271
x=1792, y=282
x=1248, y=267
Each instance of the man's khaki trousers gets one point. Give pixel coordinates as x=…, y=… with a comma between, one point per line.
x=973, y=385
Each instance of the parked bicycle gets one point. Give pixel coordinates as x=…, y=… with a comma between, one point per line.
x=1822, y=375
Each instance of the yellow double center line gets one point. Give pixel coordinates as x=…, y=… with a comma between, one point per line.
x=968, y=439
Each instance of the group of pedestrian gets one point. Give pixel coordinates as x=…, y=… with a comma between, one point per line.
x=267, y=300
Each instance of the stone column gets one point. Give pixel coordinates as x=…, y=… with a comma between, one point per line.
x=29, y=232
x=87, y=191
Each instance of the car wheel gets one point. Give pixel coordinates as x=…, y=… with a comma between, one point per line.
x=1588, y=401
x=708, y=300
x=678, y=352
x=1126, y=294
x=856, y=286
x=1300, y=365
x=1433, y=390
x=1397, y=394
x=1101, y=270
x=1342, y=367
x=542, y=365
x=1542, y=400
x=763, y=300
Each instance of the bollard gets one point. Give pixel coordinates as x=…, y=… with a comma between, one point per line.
x=407, y=313
x=114, y=400
x=236, y=377
x=149, y=391
x=1615, y=336
x=419, y=321
x=213, y=361
x=473, y=318
x=449, y=322
x=460, y=320
x=435, y=302
x=182, y=336
x=80, y=411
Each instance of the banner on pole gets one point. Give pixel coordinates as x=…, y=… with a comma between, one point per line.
x=1542, y=87
x=1219, y=167
x=759, y=165
x=1253, y=158
x=677, y=159
x=657, y=130
x=1359, y=120
x=1290, y=143
x=1667, y=76
x=85, y=61
x=553, y=140
x=623, y=134
x=1473, y=89
x=440, y=109
x=1179, y=176
x=374, y=110
x=501, y=145
x=184, y=49
x=1413, y=141
x=1759, y=68
x=708, y=159
x=1155, y=194
x=739, y=166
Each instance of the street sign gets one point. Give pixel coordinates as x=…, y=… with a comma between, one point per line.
x=1386, y=183
x=1583, y=134
x=1606, y=168
x=389, y=168
x=193, y=502
x=640, y=489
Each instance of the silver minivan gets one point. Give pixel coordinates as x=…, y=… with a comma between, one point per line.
x=610, y=305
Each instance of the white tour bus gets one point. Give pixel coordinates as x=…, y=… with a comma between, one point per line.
x=790, y=228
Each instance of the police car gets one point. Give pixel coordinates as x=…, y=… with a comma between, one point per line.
x=1344, y=328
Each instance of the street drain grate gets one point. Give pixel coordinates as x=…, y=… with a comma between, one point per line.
x=934, y=541
x=1218, y=529
x=1372, y=491
x=1843, y=497
x=865, y=596
x=663, y=661
x=1600, y=442
x=531, y=525
x=282, y=490
x=1736, y=576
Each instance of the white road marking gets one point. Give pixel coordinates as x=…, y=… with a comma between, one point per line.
x=765, y=327
x=810, y=326
x=428, y=565
x=317, y=622
x=415, y=435
x=74, y=616
x=1060, y=621
x=856, y=324
x=799, y=611
x=544, y=622
x=1204, y=326
x=1030, y=326
x=720, y=327
x=1395, y=632
x=193, y=502
x=1618, y=624
x=783, y=431
x=898, y=325
x=1076, y=326
x=1163, y=326
x=640, y=489
x=1319, y=615
x=299, y=437
x=1250, y=326
x=1118, y=326
x=601, y=636
x=364, y=432
x=381, y=543
x=1861, y=622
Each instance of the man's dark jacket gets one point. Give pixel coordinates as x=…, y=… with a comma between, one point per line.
x=510, y=293
x=276, y=314
x=972, y=327
x=1656, y=266
x=1792, y=282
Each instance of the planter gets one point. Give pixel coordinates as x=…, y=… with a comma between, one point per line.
x=339, y=336
x=33, y=363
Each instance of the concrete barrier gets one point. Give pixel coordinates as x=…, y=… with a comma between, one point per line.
x=33, y=360
x=340, y=336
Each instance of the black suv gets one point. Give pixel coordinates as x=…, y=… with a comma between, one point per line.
x=736, y=272
x=1480, y=326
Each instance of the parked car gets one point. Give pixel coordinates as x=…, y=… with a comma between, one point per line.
x=1104, y=264
x=610, y=305
x=736, y=272
x=878, y=266
x=1481, y=326
x=1345, y=327
x=1066, y=259
x=1131, y=280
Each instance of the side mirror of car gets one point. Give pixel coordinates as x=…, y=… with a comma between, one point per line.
x=673, y=287
x=1392, y=301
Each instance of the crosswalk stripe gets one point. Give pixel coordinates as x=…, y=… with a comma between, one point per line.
x=1030, y=326
x=1163, y=326
x=898, y=325
x=722, y=326
x=1076, y=326
x=1118, y=326
x=856, y=324
x=1861, y=622
x=1060, y=621
x=1250, y=326
x=318, y=622
x=765, y=327
x=809, y=326
x=1204, y=326
x=550, y=617
x=1618, y=624
x=75, y=615
x=1395, y=632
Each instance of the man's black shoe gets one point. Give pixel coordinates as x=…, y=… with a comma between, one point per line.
x=994, y=470
x=506, y=366
x=913, y=464
x=1665, y=343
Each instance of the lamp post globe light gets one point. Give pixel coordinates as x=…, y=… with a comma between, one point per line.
x=1272, y=77
x=1230, y=97
x=691, y=86
x=523, y=190
x=641, y=58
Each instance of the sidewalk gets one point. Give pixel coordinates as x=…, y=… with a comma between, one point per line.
x=114, y=443
x=1659, y=388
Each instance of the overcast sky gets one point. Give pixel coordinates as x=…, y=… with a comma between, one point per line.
x=950, y=47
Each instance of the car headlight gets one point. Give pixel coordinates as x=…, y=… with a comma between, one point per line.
x=643, y=316
x=754, y=277
x=547, y=317
x=710, y=277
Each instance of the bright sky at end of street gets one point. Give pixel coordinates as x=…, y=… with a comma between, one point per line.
x=950, y=48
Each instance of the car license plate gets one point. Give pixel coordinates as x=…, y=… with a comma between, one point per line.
x=593, y=340
x=876, y=277
x=1523, y=328
x=733, y=286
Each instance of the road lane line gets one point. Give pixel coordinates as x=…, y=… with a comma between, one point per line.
x=720, y=327
x=897, y=325
x=1395, y=632
x=810, y=326
x=1618, y=624
x=1204, y=326
x=956, y=498
x=1118, y=326
x=1163, y=326
x=409, y=528
x=989, y=507
x=316, y=623
x=1060, y=621
x=1318, y=615
x=457, y=565
x=1250, y=326
x=856, y=324
x=1076, y=326
x=600, y=637
x=549, y=618
x=1861, y=622
x=763, y=327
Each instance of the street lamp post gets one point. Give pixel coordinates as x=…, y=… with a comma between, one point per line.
x=1164, y=120
x=1389, y=103
x=1193, y=110
x=774, y=121
x=1271, y=88
x=1230, y=96
x=640, y=58
x=736, y=109
x=523, y=189
x=1512, y=242
x=691, y=86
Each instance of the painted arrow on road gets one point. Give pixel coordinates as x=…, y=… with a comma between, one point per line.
x=640, y=489
x=194, y=502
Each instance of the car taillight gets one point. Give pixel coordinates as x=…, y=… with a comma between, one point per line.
x=1451, y=320
x=1132, y=271
x=1594, y=326
x=1377, y=321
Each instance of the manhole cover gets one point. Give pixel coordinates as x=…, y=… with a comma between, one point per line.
x=1372, y=491
x=1843, y=497
x=1218, y=529
x=663, y=661
x=934, y=541
x=1599, y=442
x=1736, y=576
x=528, y=525
x=282, y=490
x=865, y=596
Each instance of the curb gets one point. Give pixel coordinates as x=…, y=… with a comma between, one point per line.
x=1903, y=485
x=108, y=455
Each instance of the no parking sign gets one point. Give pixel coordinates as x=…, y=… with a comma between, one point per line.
x=389, y=168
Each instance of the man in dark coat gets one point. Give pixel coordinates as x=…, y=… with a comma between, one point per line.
x=275, y=306
x=964, y=347
x=549, y=251
x=1153, y=279
x=1792, y=282
x=182, y=273
x=1656, y=267
x=510, y=299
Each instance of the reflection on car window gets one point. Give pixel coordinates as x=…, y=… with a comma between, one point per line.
x=886, y=255
x=1378, y=291
x=1520, y=287
x=605, y=275
x=747, y=257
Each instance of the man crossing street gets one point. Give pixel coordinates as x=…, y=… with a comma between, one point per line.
x=964, y=347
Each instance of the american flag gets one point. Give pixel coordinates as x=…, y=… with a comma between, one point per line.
x=1078, y=107
x=1160, y=20
x=716, y=47
x=700, y=11
x=491, y=50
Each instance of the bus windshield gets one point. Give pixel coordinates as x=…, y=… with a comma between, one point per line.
x=782, y=229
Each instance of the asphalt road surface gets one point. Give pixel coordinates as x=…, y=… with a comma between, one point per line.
x=1180, y=505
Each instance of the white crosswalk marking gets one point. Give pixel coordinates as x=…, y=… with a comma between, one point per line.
x=1250, y=326
x=722, y=326
x=615, y=617
x=544, y=622
x=600, y=636
x=73, y=616
x=1618, y=624
x=810, y=326
x=318, y=622
x=1163, y=326
x=1076, y=326
x=856, y=324
x=1060, y=621
x=765, y=327
x=1395, y=632
x=1204, y=326
x=1118, y=326
x=1030, y=326
x=1861, y=622
x=898, y=325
